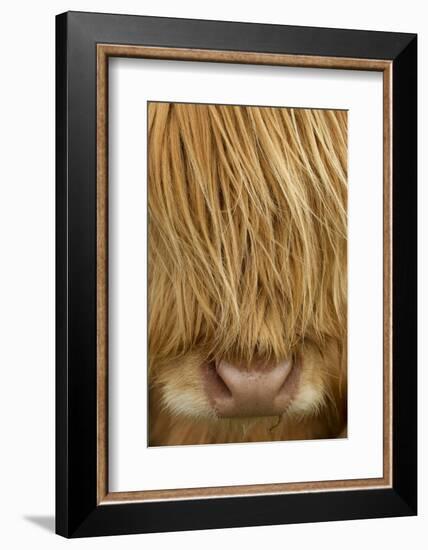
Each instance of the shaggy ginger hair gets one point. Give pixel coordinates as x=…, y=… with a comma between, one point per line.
x=247, y=260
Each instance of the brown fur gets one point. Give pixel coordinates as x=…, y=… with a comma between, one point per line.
x=247, y=260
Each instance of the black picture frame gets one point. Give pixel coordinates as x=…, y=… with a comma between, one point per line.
x=77, y=512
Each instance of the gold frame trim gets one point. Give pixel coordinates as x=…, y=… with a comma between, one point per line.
x=104, y=51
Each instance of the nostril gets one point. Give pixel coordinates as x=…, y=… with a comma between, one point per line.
x=214, y=381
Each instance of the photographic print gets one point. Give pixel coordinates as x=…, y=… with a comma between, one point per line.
x=247, y=273
x=236, y=269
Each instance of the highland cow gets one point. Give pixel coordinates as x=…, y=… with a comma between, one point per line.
x=247, y=281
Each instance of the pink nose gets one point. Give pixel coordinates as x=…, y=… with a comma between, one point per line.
x=261, y=390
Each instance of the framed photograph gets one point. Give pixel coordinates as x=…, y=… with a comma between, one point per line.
x=236, y=274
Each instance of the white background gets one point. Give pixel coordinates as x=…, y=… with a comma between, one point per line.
x=133, y=466
x=27, y=274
